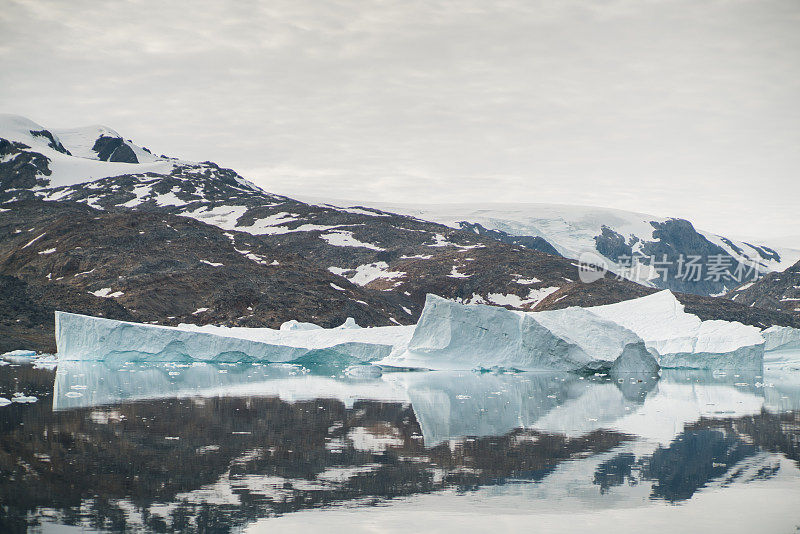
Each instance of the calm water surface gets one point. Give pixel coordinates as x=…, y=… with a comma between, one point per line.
x=217, y=448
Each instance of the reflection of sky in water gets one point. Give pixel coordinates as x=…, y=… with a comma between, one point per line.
x=166, y=446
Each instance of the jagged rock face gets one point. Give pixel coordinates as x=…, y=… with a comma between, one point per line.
x=776, y=291
x=675, y=238
x=53, y=143
x=20, y=168
x=674, y=243
x=531, y=242
x=114, y=149
x=613, y=245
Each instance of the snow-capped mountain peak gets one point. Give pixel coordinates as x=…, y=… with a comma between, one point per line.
x=102, y=143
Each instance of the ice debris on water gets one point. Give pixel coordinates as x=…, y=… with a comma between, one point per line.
x=23, y=399
x=19, y=356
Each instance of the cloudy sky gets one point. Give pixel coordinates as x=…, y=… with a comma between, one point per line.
x=678, y=108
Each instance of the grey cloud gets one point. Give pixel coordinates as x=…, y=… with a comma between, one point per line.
x=679, y=107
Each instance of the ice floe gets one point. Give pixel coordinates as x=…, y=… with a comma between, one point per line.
x=18, y=356
x=80, y=337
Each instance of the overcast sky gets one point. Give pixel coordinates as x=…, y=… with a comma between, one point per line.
x=676, y=108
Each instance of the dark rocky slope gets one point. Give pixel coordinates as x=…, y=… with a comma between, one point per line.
x=776, y=291
x=157, y=268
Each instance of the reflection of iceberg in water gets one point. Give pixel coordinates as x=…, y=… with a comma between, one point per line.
x=451, y=405
x=85, y=384
x=448, y=405
x=536, y=441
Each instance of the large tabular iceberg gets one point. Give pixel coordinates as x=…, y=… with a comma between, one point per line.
x=80, y=337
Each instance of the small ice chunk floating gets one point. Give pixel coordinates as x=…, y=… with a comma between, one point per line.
x=635, y=336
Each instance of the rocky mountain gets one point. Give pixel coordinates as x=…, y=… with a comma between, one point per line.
x=85, y=228
x=776, y=291
x=666, y=253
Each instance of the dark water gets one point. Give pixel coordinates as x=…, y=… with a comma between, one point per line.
x=206, y=448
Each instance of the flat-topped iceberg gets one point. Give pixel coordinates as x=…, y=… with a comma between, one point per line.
x=80, y=337
x=450, y=335
x=683, y=340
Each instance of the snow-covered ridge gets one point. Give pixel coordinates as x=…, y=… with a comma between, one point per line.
x=78, y=156
x=575, y=230
x=68, y=167
x=81, y=141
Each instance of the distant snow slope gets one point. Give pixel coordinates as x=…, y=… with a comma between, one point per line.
x=80, y=142
x=611, y=233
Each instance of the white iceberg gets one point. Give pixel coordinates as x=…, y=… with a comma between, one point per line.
x=782, y=347
x=80, y=337
x=450, y=335
x=683, y=340
x=298, y=325
x=781, y=337
x=19, y=356
x=634, y=336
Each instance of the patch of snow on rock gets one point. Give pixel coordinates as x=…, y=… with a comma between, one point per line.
x=344, y=238
x=106, y=292
x=364, y=274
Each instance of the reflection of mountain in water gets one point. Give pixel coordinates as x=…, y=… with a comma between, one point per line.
x=210, y=450
x=726, y=450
